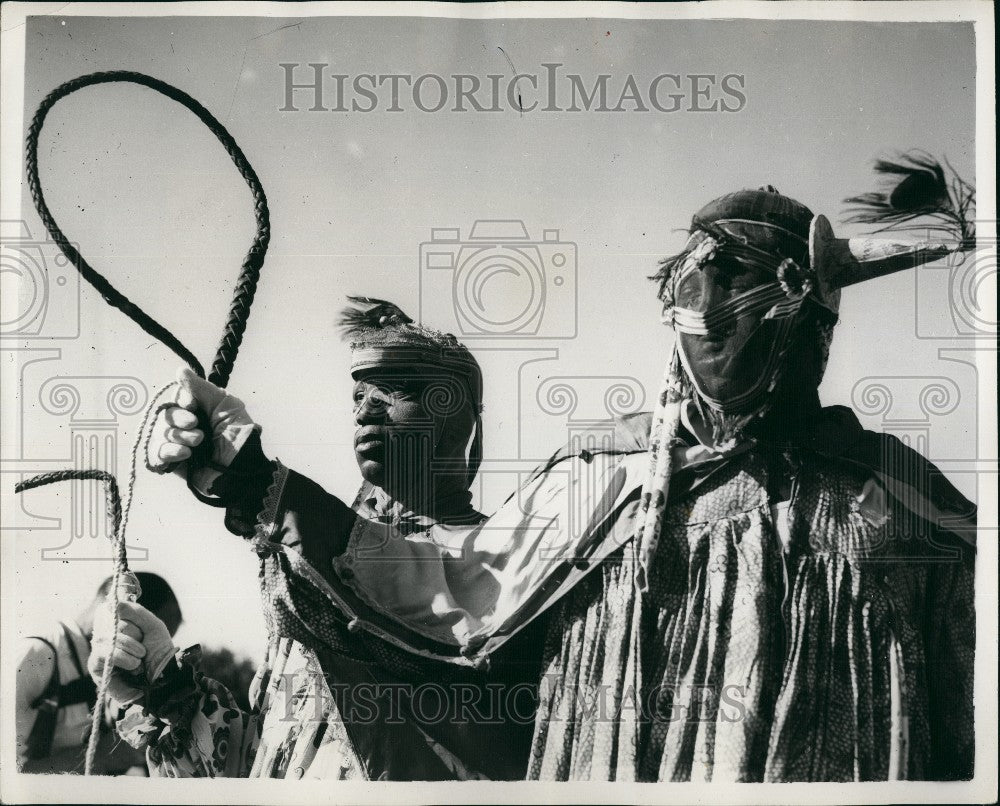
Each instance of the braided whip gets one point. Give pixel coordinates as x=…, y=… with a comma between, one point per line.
x=236, y=321
x=246, y=285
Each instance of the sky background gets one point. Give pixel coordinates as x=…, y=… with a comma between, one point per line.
x=155, y=204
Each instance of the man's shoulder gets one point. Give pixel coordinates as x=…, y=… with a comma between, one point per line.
x=37, y=649
x=910, y=478
x=888, y=455
x=36, y=660
x=836, y=434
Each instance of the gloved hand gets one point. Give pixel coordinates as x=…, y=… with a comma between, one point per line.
x=177, y=429
x=143, y=642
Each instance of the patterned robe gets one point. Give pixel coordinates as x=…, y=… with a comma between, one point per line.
x=837, y=648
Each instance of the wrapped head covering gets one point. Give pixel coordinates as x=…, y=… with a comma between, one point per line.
x=384, y=338
x=768, y=233
x=761, y=227
x=772, y=222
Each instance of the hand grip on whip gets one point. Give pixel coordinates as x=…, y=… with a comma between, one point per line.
x=129, y=589
x=201, y=457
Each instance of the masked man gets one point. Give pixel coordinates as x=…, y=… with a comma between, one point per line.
x=340, y=706
x=758, y=589
x=806, y=611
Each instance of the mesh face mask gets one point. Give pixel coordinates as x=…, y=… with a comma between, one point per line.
x=779, y=303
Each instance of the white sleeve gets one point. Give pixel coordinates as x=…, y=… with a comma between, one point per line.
x=456, y=584
x=34, y=670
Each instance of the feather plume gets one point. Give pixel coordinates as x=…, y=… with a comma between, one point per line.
x=916, y=186
x=368, y=313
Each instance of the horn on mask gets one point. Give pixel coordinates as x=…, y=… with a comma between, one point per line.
x=840, y=262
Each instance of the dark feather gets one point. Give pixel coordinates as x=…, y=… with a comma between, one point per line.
x=919, y=191
x=916, y=186
x=368, y=313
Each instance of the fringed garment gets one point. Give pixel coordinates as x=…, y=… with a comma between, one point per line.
x=843, y=652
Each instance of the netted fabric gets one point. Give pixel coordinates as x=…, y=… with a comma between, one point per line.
x=765, y=663
x=383, y=338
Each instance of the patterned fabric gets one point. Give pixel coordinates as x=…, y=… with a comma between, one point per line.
x=846, y=656
x=295, y=728
x=308, y=739
x=195, y=729
x=379, y=687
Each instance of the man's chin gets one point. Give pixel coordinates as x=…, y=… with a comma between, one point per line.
x=371, y=471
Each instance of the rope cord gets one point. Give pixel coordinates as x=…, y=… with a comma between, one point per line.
x=121, y=573
x=114, y=501
x=123, y=580
x=246, y=284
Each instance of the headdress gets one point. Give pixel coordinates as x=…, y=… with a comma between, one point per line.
x=383, y=337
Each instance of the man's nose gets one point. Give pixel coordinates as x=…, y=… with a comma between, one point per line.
x=371, y=409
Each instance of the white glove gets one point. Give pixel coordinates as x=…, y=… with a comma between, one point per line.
x=143, y=642
x=177, y=429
